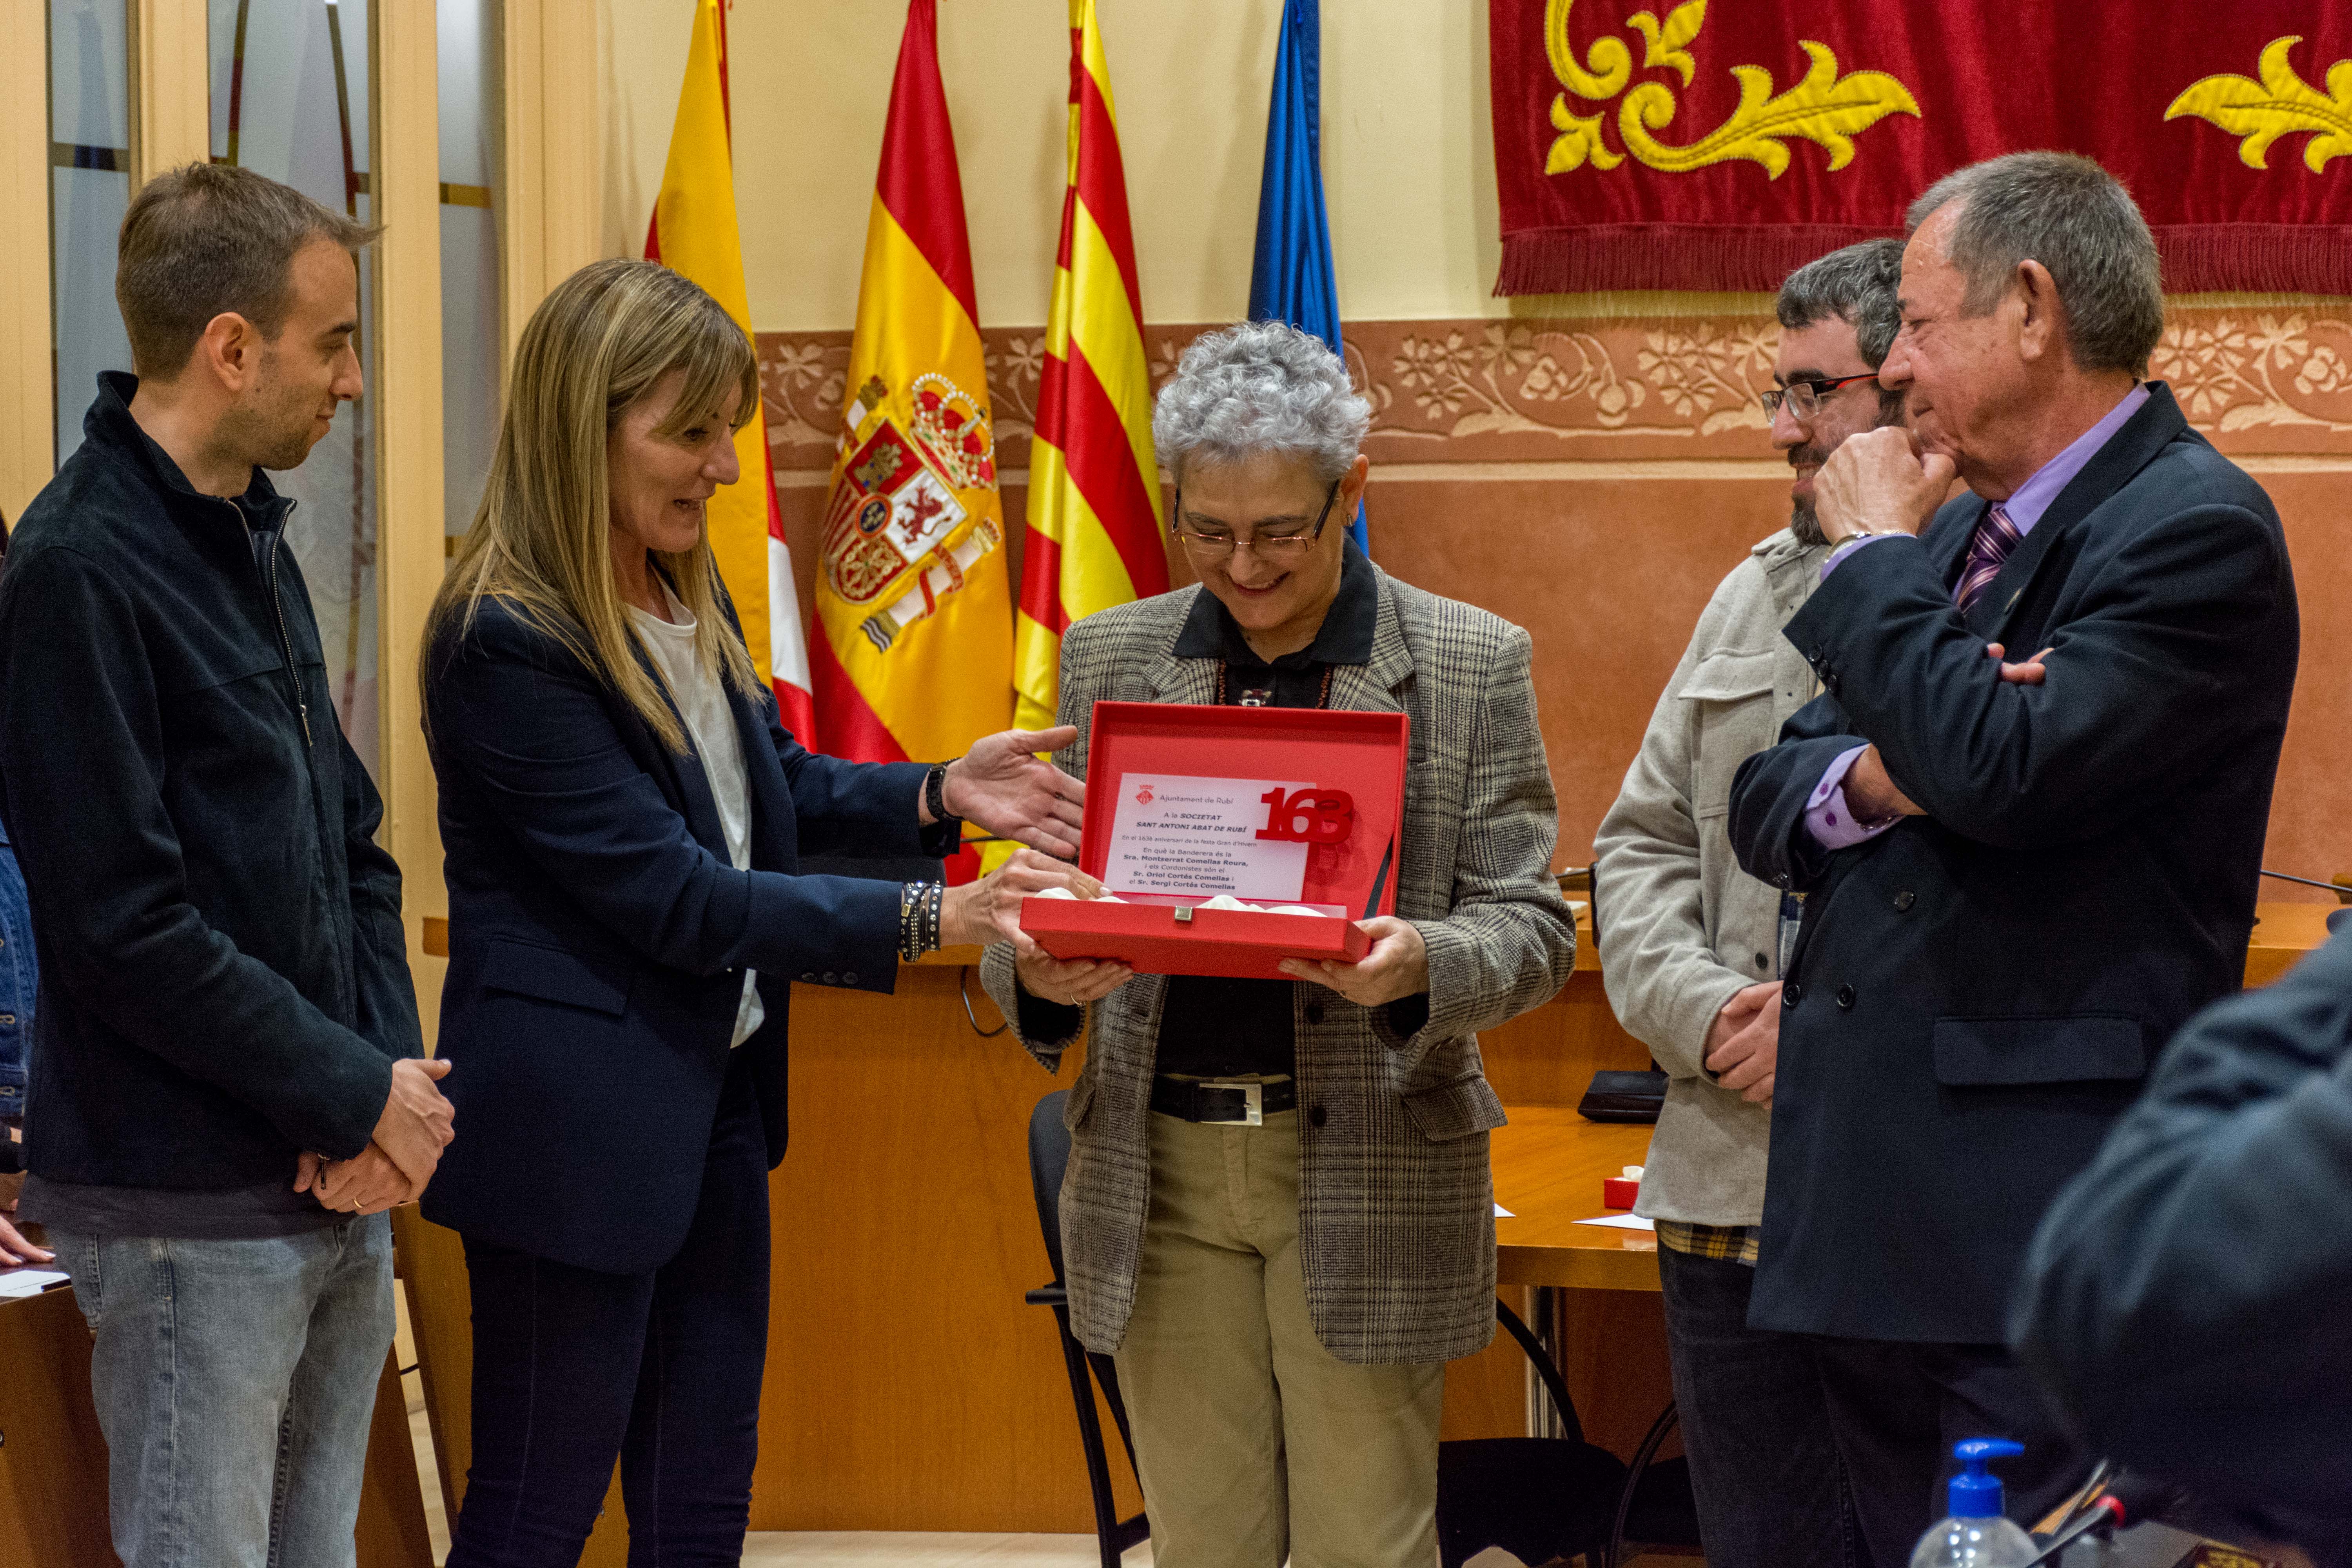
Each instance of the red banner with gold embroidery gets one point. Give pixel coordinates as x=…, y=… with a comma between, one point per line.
x=1718, y=143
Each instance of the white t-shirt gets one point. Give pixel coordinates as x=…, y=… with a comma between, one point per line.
x=710, y=725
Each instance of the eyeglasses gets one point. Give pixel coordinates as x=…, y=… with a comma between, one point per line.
x=1805, y=398
x=1268, y=546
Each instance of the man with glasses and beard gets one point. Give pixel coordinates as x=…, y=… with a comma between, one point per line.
x=1691, y=950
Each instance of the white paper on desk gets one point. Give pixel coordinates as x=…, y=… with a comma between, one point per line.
x=1177, y=834
x=1622, y=1222
x=1502, y=1213
x=29, y=1282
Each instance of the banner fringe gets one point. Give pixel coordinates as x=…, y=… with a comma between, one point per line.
x=2198, y=258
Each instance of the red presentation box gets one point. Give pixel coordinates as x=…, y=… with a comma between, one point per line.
x=1349, y=876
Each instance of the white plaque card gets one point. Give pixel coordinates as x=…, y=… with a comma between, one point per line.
x=1177, y=834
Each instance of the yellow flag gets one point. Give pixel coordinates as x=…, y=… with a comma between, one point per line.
x=694, y=232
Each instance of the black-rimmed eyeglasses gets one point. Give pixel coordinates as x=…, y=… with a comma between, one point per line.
x=1805, y=398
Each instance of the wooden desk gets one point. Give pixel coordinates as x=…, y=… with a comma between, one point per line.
x=1548, y=1163
x=2282, y=935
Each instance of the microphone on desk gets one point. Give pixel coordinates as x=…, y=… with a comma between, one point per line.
x=2126, y=1501
x=2341, y=888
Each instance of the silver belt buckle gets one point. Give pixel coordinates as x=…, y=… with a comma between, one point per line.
x=1253, y=1099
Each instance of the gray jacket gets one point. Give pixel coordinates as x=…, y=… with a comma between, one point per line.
x=1682, y=927
x=1396, y=1207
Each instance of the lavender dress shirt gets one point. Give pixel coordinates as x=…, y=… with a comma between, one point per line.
x=1827, y=818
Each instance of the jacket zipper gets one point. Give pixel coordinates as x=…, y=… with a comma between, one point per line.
x=278, y=609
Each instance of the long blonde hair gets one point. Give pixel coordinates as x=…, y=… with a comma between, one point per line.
x=541, y=538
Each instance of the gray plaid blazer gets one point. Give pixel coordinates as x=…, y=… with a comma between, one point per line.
x=1396, y=1207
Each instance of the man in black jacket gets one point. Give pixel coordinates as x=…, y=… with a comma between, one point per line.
x=2185, y=1299
x=225, y=1091
x=2020, y=879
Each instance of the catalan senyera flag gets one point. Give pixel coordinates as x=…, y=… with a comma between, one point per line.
x=1095, y=538
x=694, y=233
x=914, y=604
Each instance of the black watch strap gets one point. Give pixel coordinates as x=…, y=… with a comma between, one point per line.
x=935, y=793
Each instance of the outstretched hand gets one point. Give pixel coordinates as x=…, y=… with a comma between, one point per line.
x=1012, y=793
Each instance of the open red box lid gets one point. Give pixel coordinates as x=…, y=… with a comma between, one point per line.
x=1322, y=756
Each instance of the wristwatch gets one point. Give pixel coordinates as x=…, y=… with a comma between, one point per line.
x=935, y=793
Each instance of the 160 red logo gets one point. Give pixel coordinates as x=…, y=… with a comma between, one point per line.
x=1309, y=816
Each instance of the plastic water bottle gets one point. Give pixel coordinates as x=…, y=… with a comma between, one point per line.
x=1979, y=1533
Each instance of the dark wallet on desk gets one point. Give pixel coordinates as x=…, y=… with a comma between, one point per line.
x=1623, y=1097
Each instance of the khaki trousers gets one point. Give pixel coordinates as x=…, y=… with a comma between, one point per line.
x=1252, y=1442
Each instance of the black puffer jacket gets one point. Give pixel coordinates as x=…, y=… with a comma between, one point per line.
x=223, y=980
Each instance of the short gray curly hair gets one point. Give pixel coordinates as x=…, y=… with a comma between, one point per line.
x=1260, y=386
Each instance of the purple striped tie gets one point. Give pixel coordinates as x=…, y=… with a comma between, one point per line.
x=1996, y=536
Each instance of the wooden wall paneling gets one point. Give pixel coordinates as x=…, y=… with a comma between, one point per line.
x=52, y=1455
x=440, y=1315
x=171, y=69
x=1612, y=1356
x=392, y=1530
x=27, y=434
x=908, y=1386
x=550, y=225
x=410, y=538
x=2311, y=812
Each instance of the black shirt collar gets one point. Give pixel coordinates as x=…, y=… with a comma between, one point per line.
x=109, y=424
x=1345, y=638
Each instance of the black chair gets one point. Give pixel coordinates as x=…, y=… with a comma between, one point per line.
x=1536, y=1497
x=1657, y=1506
x=1049, y=1156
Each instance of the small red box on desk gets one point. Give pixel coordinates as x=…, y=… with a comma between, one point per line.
x=1348, y=810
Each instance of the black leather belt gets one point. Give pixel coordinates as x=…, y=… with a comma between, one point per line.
x=1217, y=1100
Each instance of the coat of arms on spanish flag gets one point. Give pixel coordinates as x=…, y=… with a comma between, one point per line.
x=913, y=656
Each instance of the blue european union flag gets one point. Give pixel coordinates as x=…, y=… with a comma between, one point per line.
x=1290, y=276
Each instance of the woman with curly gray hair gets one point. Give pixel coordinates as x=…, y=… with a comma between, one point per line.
x=1277, y=1215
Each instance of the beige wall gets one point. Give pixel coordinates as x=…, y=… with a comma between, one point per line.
x=1406, y=152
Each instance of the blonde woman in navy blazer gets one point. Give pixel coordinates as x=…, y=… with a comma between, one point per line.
x=623, y=819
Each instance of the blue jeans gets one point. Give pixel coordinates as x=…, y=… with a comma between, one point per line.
x=1756, y=1423
x=235, y=1381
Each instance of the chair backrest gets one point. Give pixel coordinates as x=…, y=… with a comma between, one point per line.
x=1049, y=1157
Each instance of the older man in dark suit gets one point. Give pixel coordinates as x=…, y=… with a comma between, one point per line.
x=2021, y=877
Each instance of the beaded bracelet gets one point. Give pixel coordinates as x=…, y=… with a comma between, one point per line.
x=919, y=905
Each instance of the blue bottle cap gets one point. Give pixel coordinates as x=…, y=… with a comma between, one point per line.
x=1975, y=1491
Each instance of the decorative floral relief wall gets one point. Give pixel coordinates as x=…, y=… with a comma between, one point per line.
x=1528, y=389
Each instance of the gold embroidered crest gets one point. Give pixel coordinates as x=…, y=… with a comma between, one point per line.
x=2279, y=104
x=1822, y=106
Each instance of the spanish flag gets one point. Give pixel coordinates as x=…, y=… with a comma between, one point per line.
x=1095, y=535
x=694, y=233
x=914, y=605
